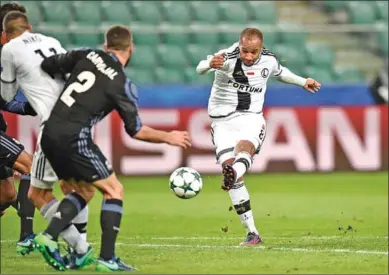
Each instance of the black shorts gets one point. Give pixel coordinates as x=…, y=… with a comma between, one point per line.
x=10, y=149
x=80, y=160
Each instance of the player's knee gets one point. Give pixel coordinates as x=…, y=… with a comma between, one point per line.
x=40, y=197
x=88, y=194
x=23, y=163
x=85, y=190
x=66, y=188
x=228, y=162
x=110, y=187
x=247, y=146
x=117, y=191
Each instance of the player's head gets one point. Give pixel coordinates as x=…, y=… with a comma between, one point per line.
x=250, y=45
x=118, y=40
x=6, y=8
x=15, y=23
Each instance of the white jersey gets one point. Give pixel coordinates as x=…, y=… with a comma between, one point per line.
x=241, y=88
x=21, y=59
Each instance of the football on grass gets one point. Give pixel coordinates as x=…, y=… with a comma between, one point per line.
x=186, y=183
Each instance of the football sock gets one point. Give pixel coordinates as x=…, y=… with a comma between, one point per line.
x=81, y=222
x=67, y=210
x=15, y=204
x=26, y=209
x=70, y=234
x=241, y=200
x=242, y=163
x=111, y=215
x=3, y=207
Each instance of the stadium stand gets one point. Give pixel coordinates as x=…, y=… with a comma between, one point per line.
x=176, y=53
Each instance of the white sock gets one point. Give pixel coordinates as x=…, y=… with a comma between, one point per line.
x=240, y=198
x=242, y=164
x=70, y=234
x=81, y=221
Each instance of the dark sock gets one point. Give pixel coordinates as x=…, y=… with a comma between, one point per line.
x=3, y=207
x=26, y=208
x=15, y=204
x=67, y=210
x=111, y=215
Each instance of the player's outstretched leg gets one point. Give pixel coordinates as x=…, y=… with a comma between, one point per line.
x=80, y=222
x=234, y=184
x=8, y=197
x=14, y=157
x=81, y=253
x=78, y=258
x=234, y=169
x=110, y=218
x=42, y=195
x=69, y=207
x=26, y=210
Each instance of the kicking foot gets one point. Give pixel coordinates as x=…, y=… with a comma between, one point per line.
x=26, y=245
x=229, y=177
x=252, y=239
x=115, y=264
x=78, y=261
x=50, y=251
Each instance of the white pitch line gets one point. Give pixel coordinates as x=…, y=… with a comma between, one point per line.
x=294, y=249
x=348, y=237
x=266, y=238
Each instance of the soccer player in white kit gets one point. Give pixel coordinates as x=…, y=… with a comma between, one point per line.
x=21, y=58
x=235, y=106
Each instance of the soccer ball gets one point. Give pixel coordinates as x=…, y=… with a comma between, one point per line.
x=186, y=183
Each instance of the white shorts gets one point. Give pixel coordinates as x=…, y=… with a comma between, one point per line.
x=42, y=174
x=227, y=132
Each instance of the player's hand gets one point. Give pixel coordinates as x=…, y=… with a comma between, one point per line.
x=312, y=85
x=179, y=138
x=217, y=61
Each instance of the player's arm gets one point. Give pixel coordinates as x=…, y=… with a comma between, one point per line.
x=9, y=86
x=215, y=62
x=286, y=76
x=63, y=64
x=17, y=107
x=205, y=65
x=125, y=102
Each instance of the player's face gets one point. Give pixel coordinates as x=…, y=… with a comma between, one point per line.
x=250, y=50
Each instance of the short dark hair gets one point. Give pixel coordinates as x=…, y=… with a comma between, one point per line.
x=118, y=38
x=22, y=24
x=8, y=7
x=251, y=33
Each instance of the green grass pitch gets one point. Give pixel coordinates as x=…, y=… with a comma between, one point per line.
x=310, y=223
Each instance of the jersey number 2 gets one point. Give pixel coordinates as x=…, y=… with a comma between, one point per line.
x=86, y=78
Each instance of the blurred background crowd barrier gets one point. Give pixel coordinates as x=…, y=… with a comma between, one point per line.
x=342, y=44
